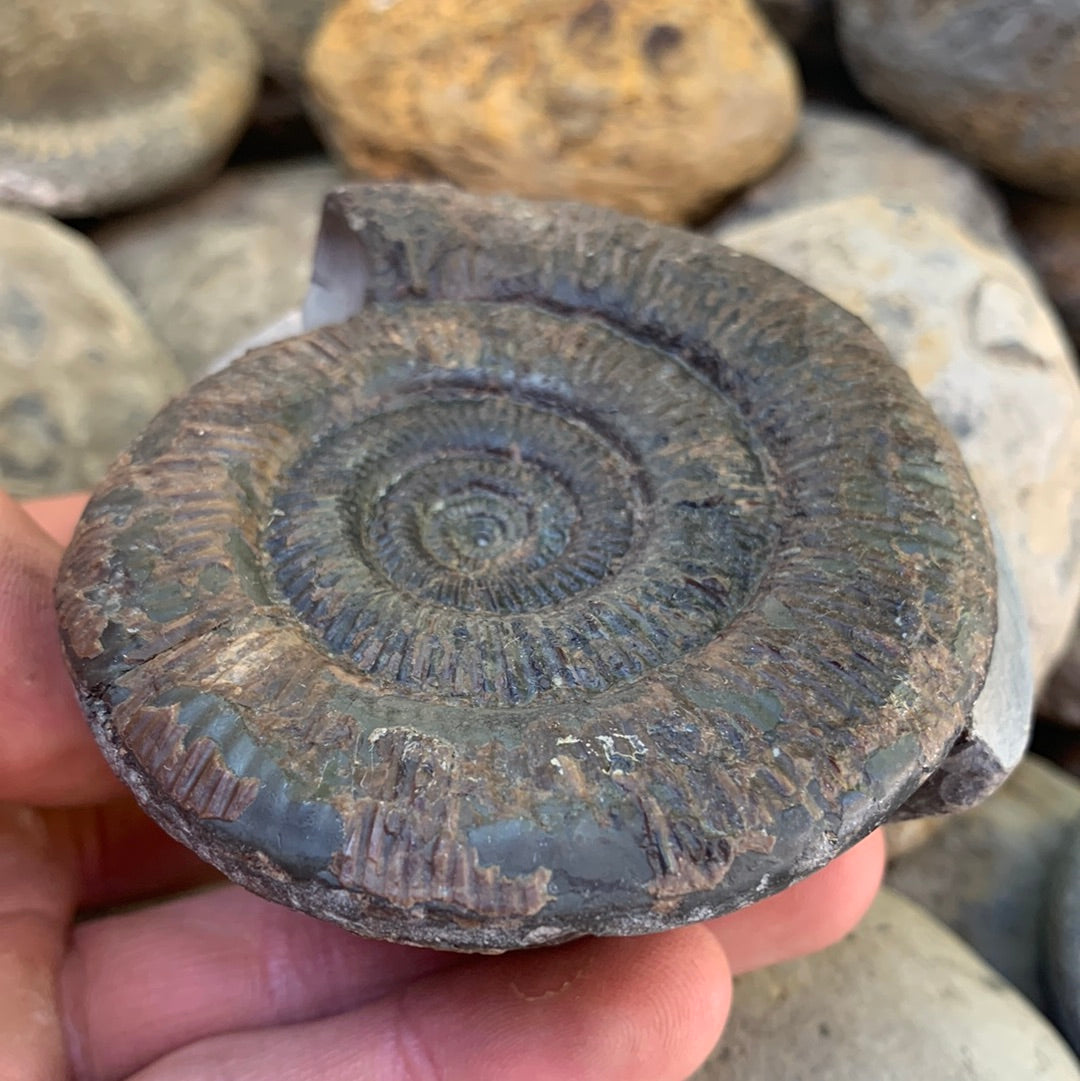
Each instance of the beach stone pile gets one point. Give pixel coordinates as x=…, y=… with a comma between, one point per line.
x=918, y=161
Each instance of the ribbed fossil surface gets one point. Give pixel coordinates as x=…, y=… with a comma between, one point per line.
x=591, y=579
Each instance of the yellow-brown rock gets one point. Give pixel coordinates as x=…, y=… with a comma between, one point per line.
x=655, y=107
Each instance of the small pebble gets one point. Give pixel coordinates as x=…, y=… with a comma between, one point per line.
x=900, y=999
x=985, y=872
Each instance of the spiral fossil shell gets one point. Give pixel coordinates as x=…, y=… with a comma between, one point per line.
x=592, y=579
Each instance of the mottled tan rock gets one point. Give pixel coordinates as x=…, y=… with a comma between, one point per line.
x=656, y=107
x=211, y=270
x=1050, y=234
x=282, y=29
x=80, y=373
x=840, y=152
x=901, y=999
x=108, y=103
x=971, y=327
x=985, y=872
x=996, y=80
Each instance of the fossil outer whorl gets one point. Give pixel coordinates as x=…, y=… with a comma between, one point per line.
x=592, y=579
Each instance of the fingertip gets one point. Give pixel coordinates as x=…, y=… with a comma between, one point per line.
x=632, y=1009
x=56, y=515
x=808, y=916
x=47, y=755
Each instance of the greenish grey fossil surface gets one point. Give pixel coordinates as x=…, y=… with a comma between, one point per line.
x=591, y=578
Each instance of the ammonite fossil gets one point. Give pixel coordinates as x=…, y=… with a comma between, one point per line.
x=591, y=578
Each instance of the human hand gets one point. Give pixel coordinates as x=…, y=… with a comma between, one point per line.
x=220, y=984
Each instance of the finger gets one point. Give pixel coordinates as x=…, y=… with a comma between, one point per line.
x=138, y=985
x=57, y=515
x=636, y=1009
x=47, y=755
x=213, y=954
x=808, y=916
x=36, y=904
x=119, y=855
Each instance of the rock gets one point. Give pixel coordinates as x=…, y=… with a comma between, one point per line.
x=971, y=328
x=656, y=108
x=110, y=103
x=282, y=29
x=900, y=999
x=80, y=373
x=996, y=80
x=985, y=872
x=841, y=152
x=1060, y=939
x=1050, y=234
x=211, y=270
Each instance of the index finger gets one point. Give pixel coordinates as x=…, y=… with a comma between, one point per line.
x=56, y=515
x=47, y=755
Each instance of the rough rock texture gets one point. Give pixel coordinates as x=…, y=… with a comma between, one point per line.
x=436, y=632
x=1050, y=234
x=900, y=999
x=970, y=326
x=80, y=373
x=282, y=29
x=996, y=80
x=840, y=152
x=653, y=108
x=985, y=872
x=109, y=103
x=211, y=270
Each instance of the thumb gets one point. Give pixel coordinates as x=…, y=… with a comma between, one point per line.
x=47, y=756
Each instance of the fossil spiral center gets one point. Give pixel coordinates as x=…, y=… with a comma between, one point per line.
x=488, y=522
x=490, y=504
x=514, y=524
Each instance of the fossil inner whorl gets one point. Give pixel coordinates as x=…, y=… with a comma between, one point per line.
x=541, y=506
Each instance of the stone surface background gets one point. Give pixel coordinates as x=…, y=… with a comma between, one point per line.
x=900, y=998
